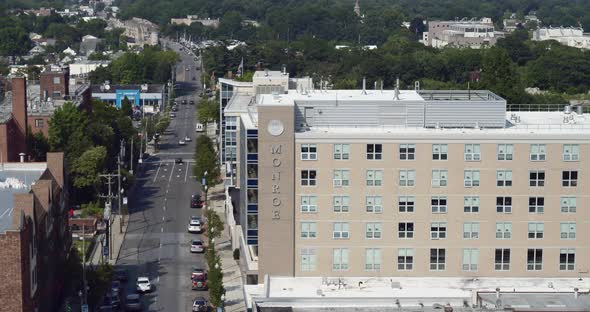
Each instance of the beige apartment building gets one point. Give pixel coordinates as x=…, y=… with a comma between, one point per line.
x=410, y=183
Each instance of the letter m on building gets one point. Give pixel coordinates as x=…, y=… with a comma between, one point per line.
x=275, y=148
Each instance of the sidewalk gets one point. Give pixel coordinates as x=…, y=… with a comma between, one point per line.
x=117, y=241
x=232, y=275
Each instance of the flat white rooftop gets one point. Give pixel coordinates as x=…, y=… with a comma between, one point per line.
x=354, y=95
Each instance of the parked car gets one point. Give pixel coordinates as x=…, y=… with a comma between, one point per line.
x=200, y=304
x=143, y=284
x=116, y=286
x=199, y=127
x=112, y=299
x=191, y=102
x=199, y=279
x=133, y=303
x=183, y=102
x=196, y=201
x=178, y=160
x=197, y=246
x=172, y=115
x=194, y=226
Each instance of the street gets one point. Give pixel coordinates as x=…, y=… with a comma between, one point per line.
x=157, y=242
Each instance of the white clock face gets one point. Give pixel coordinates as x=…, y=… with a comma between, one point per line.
x=275, y=127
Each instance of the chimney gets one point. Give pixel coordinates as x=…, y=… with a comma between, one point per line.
x=55, y=165
x=364, y=85
x=284, y=69
x=576, y=292
x=497, y=292
x=25, y=203
x=396, y=94
x=19, y=116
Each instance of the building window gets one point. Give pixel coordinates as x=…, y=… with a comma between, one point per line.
x=340, y=230
x=406, y=203
x=536, y=204
x=471, y=204
x=309, y=230
x=504, y=204
x=308, y=260
x=568, y=204
x=374, y=177
x=470, y=259
x=502, y=259
x=505, y=151
x=372, y=259
x=405, y=259
x=39, y=123
x=56, y=94
x=374, y=151
x=538, y=152
x=503, y=178
x=252, y=195
x=569, y=178
x=472, y=152
x=373, y=204
x=309, y=204
x=471, y=178
x=536, y=230
x=56, y=80
x=405, y=230
x=440, y=151
x=567, y=230
x=439, y=177
x=340, y=259
x=567, y=259
x=341, y=177
x=503, y=230
x=308, y=177
x=252, y=171
x=438, y=204
x=471, y=230
x=437, y=259
x=407, y=151
x=252, y=145
x=341, y=203
x=438, y=230
x=571, y=152
x=309, y=152
x=373, y=230
x=407, y=177
x=537, y=178
x=534, y=261
x=341, y=151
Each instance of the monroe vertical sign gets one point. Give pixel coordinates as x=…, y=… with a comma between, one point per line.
x=276, y=154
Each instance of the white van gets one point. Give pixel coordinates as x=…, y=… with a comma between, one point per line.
x=199, y=127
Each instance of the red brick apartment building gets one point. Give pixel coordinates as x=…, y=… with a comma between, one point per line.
x=34, y=235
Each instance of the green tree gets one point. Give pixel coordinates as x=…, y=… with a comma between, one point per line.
x=207, y=111
x=67, y=131
x=38, y=146
x=87, y=168
x=206, y=161
x=14, y=41
x=126, y=108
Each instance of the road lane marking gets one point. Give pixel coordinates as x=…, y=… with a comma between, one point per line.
x=186, y=174
x=156, y=176
x=161, y=231
x=170, y=179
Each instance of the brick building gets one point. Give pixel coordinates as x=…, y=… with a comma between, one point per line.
x=34, y=235
x=13, y=121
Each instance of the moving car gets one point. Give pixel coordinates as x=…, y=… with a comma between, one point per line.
x=133, y=303
x=178, y=160
x=196, y=201
x=197, y=246
x=187, y=138
x=200, y=304
x=199, y=127
x=143, y=284
x=199, y=279
x=183, y=102
x=181, y=142
x=194, y=226
x=191, y=102
x=174, y=108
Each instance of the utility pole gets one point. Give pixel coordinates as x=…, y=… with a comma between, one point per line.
x=130, y=158
x=85, y=301
x=108, y=211
x=120, y=193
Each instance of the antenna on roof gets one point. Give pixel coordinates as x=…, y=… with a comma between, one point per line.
x=396, y=96
x=375, y=85
x=364, y=85
x=381, y=85
x=416, y=85
x=468, y=90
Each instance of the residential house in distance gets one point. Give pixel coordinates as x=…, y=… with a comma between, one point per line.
x=465, y=33
x=89, y=45
x=81, y=69
x=433, y=198
x=147, y=97
x=569, y=36
x=207, y=22
x=512, y=23
x=34, y=235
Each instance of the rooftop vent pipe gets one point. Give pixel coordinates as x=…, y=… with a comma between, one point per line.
x=364, y=85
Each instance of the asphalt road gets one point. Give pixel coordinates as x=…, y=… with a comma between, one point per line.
x=157, y=244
